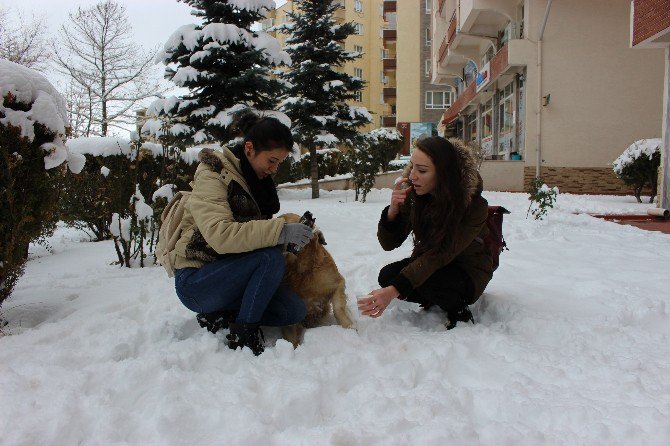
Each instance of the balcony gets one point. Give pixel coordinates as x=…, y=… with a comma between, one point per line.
x=389, y=63
x=390, y=6
x=389, y=33
x=440, y=6
x=340, y=14
x=389, y=121
x=451, y=31
x=389, y=93
x=486, y=17
x=445, y=7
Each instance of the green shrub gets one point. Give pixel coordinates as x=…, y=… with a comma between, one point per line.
x=100, y=190
x=385, y=144
x=28, y=192
x=363, y=165
x=638, y=166
x=328, y=161
x=541, y=198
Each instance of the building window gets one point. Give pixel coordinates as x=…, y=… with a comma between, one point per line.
x=358, y=49
x=438, y=99
x=358, y=72
x=429, y=6
x=471, y=127
x=428, y=37
x=358, y=96
x=505, y=107
x=428, y=67
x=381, y=98
x=487, y=119
x=358, y=28
x=358, y=5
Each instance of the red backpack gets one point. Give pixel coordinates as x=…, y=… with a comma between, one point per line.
x=495, y=242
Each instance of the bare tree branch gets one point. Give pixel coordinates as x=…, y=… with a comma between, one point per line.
x=23, y=40
x=96, y=51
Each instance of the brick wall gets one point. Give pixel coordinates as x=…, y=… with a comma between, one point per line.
x=581, y=180
x=650, y=17
x=460, y=103
x=499, y=62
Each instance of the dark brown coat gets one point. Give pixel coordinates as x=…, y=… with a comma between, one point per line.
x=467, y=252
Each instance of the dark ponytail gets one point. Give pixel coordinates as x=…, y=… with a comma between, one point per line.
x=266, y=133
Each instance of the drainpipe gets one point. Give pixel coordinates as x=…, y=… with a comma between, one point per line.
x=538, y=142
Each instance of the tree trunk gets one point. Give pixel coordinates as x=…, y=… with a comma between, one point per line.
x=314, y=171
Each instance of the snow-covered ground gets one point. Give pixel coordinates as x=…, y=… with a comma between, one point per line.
x=571, y=346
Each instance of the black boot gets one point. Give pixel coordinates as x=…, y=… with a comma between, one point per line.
x=246, y=335
x=462, y=315
x=216, y=320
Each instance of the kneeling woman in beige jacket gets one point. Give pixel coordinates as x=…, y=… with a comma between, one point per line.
x=229, y=267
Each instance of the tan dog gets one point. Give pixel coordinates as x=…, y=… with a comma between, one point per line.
x=313, y=275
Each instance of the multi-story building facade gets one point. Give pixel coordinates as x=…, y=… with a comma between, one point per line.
x=548, y=89
x=368, y=17
x=395, y=62
x=420, y=103
x=650, y=28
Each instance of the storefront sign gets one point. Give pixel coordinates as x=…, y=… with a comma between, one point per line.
x=483, y=77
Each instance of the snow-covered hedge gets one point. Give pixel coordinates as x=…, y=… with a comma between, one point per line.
x=638, y=166
x=32, y=156
x=123, y=190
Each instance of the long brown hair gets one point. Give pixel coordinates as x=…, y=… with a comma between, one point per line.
x=435, y=216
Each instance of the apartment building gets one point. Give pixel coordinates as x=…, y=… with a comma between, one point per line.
x=546, y=88
x=650, y=28
x=419, y=102
x=368, y=17
x=395, y=40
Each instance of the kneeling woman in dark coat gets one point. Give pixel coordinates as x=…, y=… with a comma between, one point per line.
x=445, y=210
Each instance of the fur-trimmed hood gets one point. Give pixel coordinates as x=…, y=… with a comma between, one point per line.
x=470, y=178
x=217, y=160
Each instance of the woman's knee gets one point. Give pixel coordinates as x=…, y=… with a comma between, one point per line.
x=273, y=258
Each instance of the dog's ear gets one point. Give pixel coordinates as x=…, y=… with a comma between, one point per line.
x=322, y=239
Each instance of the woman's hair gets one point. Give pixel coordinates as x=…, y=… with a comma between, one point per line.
x=265, y=133
x=436, y=216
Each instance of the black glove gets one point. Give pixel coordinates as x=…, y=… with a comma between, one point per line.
x=295, y=234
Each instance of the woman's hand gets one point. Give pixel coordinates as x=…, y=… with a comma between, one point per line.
x=398, y=197
x=375, y=303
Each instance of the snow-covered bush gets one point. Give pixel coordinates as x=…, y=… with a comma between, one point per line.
x=32, y=160
x=385, y=143
x=638, y=165
x=102, y=189
x=397, y=164
x=541, y=198
x=123, y=178
x=329, y=162
x=363, y=165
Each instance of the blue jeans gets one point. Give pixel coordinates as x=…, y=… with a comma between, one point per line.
x=248, y=283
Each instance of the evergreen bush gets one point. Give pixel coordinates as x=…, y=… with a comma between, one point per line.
x=32, y=157
x=638, y=166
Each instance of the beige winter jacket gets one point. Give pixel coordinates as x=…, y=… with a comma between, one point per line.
x=221, y=217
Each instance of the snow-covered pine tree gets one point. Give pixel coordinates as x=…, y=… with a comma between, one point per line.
x=224, y=65
x=319, y=87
